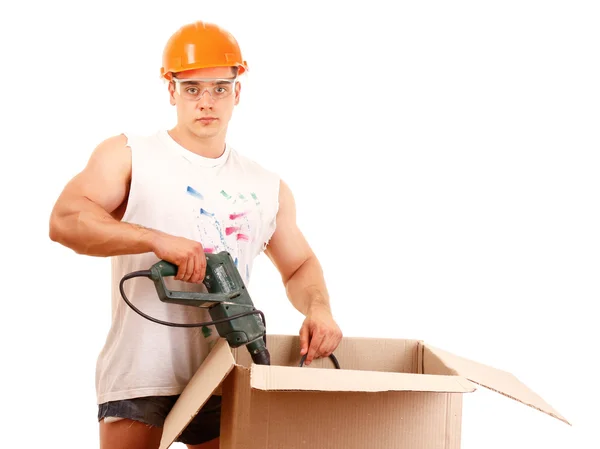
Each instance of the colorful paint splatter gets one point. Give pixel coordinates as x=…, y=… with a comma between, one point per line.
x=231, y=232
x=194, y=193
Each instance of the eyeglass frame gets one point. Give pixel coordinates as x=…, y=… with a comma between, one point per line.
x=230, y=81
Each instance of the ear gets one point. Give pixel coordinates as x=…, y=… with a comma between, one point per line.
x=238, y=88
x=172, y=93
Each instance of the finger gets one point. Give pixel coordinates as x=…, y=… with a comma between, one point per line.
x=202, y=264
x=332, y=342
x=325, y=347
x=197, y=273
x=181, y=267
x=315, y=342
x=189, y=269
x=329, y=344
x=304, y=334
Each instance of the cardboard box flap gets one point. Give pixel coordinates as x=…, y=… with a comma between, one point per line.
x=285, y=378
x=206, y=380
x=494, y=379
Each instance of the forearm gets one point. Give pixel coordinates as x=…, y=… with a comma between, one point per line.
x=306, y=288
x=88, y=229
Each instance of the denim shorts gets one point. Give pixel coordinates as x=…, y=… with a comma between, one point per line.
x=153, y=410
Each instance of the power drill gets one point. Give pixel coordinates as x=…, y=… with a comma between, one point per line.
x=227, y=300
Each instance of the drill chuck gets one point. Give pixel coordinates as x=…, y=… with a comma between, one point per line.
x=259, y=352
x=262, y=358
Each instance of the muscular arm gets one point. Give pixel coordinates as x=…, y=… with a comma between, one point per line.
x=293, y=257
x=87, y=216
x=304, y=282
x=84, y=216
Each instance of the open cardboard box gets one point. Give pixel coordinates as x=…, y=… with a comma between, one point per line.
x=389, y=393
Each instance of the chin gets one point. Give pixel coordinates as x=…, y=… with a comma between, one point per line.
x=203, y=132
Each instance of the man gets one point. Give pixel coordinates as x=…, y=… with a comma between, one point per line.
x=176, y=195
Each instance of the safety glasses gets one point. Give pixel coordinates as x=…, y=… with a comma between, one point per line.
x=193, y=88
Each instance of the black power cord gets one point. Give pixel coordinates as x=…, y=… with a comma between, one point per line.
x=148, y=274
x=331, y=356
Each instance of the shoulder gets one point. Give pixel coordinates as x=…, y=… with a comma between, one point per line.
x=123, y=141
x=135, y=140
x=113, y=148
x=117, y=149
x=112, y=143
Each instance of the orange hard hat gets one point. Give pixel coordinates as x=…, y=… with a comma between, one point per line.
x=201, y=44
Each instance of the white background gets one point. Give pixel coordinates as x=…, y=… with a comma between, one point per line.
x=443, y=155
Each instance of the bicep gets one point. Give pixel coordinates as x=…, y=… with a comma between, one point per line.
x=288, y=249
x=104, y=180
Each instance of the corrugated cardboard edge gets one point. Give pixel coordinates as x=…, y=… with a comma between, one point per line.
x=494, y=379
x=206, y=380
x=283, y=378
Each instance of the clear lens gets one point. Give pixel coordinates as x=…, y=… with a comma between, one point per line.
x=193, y=89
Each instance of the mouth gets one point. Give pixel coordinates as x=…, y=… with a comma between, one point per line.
x=206, y=119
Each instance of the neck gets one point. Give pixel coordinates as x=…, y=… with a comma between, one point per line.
x=211, y=147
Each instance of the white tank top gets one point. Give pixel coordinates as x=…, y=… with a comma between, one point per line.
x=228, y=203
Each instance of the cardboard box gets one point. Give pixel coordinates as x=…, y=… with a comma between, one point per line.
x=389, y=393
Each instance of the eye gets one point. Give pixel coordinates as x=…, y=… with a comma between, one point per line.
x=191, y=90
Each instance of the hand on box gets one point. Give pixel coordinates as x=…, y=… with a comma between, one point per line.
x=320, y=335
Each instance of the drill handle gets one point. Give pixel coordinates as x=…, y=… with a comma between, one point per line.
x=163, y=269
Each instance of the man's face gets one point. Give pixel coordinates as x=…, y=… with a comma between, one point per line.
x=205, y=99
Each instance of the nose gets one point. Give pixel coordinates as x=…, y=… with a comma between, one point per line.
x=206, y=100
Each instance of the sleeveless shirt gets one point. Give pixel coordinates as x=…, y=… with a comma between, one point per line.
x=227, y=203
